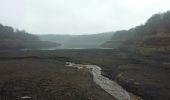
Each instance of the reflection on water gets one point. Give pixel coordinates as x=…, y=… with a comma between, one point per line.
x=58, y=48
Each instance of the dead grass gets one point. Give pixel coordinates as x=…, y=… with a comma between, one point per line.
x=46, y=80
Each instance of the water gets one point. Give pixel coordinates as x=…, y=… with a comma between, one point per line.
x=105, y=83
x=61, y=48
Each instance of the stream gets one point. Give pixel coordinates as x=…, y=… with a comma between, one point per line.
x=105, y=83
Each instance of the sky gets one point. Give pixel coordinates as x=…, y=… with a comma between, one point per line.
x=78, y=16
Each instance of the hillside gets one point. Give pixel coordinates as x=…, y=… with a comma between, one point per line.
x=79, y=41
x=55, y=38
x=153, y=34
x=20, y=39
x=146, y=49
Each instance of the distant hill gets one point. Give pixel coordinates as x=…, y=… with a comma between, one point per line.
x=20, y=39
x=79, y=41
x=55, y=38
x=153, y=35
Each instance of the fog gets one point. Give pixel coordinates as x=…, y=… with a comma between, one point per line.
x=78, y=16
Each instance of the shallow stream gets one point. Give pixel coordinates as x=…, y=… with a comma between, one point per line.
x=105, y=83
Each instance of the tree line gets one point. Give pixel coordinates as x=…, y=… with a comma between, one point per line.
x=11, y=38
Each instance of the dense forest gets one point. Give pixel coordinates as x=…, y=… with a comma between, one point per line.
x=153, y=34
x=11, y=38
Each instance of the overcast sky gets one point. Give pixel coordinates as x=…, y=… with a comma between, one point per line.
x=78, y=16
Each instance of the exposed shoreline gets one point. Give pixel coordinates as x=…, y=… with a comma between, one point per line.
x=133, y=72
x=105, y=83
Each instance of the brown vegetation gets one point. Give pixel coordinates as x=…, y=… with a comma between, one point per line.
x=46, y=79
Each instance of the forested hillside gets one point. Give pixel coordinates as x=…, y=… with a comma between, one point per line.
x=20, y=39
x=155, y=33
x=146, y=49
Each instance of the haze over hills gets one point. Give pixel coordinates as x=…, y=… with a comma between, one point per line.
x=79, y=41
x=154, y=34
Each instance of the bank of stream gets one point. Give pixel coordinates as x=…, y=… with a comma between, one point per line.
x=105, y=83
